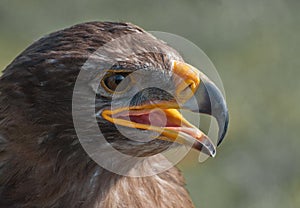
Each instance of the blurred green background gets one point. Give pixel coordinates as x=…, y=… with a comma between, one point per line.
x=255, y=47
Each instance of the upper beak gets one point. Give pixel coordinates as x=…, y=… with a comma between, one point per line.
x=209, y=99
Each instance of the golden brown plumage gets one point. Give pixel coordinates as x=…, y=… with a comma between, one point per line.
x=42, y=162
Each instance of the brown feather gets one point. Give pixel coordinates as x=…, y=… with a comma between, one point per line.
x=42, y=164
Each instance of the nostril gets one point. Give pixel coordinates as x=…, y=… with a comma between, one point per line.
x=186, y=90
x=189, y=87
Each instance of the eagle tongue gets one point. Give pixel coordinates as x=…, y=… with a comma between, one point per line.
x=155, y=117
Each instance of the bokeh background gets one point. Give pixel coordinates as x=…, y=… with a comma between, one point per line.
x=255, y=47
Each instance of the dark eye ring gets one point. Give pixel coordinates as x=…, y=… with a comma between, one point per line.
x=115, y=82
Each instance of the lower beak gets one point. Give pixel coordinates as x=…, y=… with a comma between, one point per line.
x=165, y=119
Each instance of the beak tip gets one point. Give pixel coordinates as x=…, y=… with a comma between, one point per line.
x=213, y=153
x=208, y=149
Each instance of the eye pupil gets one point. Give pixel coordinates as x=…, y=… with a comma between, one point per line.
x=118, y=78
x=112, y=82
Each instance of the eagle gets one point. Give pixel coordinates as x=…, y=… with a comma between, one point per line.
x=45, y=159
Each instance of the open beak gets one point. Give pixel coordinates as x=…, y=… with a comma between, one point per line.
x=163, y=116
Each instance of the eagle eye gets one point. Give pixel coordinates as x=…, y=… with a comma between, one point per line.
x=116, y=82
